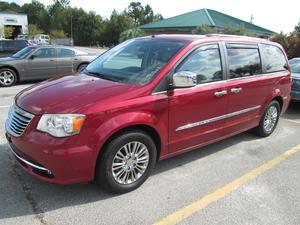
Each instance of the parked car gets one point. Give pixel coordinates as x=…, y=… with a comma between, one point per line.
x=22, y=37
x=295, y=68
x=144, y=100
x=41, y=39
x=10, y=47
x=42, y=62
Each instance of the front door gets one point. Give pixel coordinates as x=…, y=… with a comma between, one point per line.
x=42, y=64
x=196, y=114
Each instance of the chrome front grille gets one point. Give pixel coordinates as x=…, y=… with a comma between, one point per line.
x=17, y=121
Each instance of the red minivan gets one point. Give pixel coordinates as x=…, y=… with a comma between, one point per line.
x=145, y=100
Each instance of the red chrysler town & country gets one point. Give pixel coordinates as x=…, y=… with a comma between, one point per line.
x=147, y=99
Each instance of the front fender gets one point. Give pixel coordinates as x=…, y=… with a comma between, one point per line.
x=125, y=120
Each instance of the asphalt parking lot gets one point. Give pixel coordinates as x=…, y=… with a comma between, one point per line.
x=241, y=180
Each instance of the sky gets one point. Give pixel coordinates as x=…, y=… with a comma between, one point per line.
x=273, y=15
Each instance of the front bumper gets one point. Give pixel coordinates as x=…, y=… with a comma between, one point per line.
x=50, y=162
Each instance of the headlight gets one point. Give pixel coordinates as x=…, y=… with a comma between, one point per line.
x=61, y=125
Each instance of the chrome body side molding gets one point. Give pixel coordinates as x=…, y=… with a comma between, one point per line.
x=214, y=119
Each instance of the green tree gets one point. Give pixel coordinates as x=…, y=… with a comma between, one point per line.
x=55, y=34
x=142, y=15
x=37, y=14
x=57, y=12
x=136, y=12
x=87, y=27
x=290, y=42
x=297, y=29
x=7, y=32
x=234, y=30
x=205, y=29
x=9, y=7
x=131, y=33
x=117, y=23
x=33, y=30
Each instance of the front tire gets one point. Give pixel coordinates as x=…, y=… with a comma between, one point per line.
x=8, y=77
x=269, y=120
x=126, y=162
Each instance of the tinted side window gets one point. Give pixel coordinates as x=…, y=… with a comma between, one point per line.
x=243, y=62
x=45, y=53
x=63, y=52
x=273, y=58
x=8, y=45
x=20, y=44
x=205, y=62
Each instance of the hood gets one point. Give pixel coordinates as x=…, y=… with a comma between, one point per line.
x=296, y=75
x=5, y=59
x=71, y=94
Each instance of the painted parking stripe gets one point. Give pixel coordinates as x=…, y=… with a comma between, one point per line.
x=292, y=121
x=4, y=106
x=220, y=193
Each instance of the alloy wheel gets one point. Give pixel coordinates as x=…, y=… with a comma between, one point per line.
x=7, y=78
x=270, y=119
x=130, y=162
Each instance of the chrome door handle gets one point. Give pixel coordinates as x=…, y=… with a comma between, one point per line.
x=220, y=93
x=236, y=90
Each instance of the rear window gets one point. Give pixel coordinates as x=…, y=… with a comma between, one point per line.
x=295, y=65
x=64, y=52
x=243, y=61
x=273, y=58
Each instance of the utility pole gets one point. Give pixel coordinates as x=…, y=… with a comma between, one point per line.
x=252, y=18
x=72, y=30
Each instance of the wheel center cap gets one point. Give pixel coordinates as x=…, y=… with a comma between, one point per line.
x=130, y=162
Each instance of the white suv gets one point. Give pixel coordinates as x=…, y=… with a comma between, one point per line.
x=42, y=39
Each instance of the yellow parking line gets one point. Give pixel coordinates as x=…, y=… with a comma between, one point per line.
x=220, y=193
x=292, y=121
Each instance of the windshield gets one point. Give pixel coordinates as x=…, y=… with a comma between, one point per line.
x=295, y=66
x=136, y=61
x=23, y=53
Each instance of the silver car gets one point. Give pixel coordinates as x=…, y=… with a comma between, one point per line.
x=42, y=62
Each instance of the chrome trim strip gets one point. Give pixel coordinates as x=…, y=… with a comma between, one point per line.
x=22, y=112
x=160, y=92
x=214, y=119
x=26, y=162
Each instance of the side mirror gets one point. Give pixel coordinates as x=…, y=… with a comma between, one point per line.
x=32, y=57
x=184, y=79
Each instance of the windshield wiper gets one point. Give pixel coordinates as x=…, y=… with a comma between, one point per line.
x=100, y=75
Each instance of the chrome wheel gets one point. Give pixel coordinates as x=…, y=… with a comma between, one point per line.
x=130, y=162
x=270, y=119
x=7, y=78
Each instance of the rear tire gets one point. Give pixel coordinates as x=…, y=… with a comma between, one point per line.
x=8, y=77
x=126, y=162
x=269, y=120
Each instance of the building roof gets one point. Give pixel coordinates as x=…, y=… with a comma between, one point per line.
x=208, y=17
x=14, y=13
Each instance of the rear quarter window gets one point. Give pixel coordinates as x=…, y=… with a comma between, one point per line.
x=273, y=58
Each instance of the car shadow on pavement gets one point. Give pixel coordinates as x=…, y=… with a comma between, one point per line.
x=22, y=194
